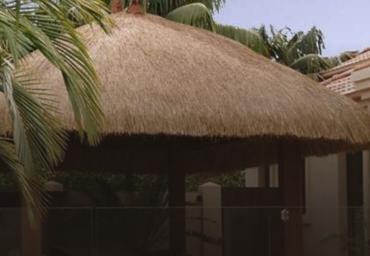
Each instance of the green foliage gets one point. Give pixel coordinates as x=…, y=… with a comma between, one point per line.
x=92, y=181
x=197, y=15
x=200, y=14
x=8, y=162
x=164, y=7
x=300, y=50
x=233, y=180
x=337, y=60
x=310, y=64
x=37, y=141
x=249, y=38
x=345, y=56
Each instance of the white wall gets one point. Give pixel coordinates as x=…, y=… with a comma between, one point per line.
x=326, y=215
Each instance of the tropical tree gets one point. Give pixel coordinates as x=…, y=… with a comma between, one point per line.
x=249, y=37
x=298, y=50
x=164, y=7
x=37, y=142
x=343, y=57
x=199, y=13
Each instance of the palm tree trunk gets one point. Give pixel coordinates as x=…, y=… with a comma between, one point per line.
x=31, y=233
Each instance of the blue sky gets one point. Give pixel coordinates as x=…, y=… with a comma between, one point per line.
x=345, y=23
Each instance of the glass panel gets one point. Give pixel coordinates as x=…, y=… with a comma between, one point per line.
x=210, y=231
x=10, y=235
x=69, y=231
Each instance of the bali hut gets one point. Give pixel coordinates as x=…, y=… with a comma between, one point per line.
x=179, y=100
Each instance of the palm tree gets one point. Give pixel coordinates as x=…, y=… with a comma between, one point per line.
x=298, y=50
x=37, y=142
x=199, y=13
x=164, y=7
x=343, y=57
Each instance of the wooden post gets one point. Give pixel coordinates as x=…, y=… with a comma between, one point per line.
x=176, y=193
x=291, y=179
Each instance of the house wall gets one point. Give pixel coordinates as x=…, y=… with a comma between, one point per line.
x=204, y=225
x=359, y=77
x=361, y=80
x=325, y=218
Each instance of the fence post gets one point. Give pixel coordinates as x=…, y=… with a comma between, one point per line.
x=291, y=180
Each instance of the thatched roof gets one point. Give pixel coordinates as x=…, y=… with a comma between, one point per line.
x=161, y=77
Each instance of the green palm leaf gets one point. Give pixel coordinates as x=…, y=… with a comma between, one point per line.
x=164, y=7
x=30, y=187
x=196, y=14
x=53, y=34
x=249, y=38
x=310, y=64
x=38, y=142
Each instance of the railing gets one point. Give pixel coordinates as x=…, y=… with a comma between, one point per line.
x=116, y=231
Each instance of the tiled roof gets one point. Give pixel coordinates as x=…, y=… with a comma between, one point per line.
x=363, y=56
x=342, y=85
x=340, y=77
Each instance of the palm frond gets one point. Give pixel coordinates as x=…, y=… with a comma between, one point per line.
x=249, y=38
x=213, y=5
x=30, y=186
x=310, y=64
x=302, y=44
x=8, y=157
x=332, y=61
x=37, y=136
x=37, y=144
x=87, y=11
x=344, y=56
x=51, y=32
x=37, y=141
x=164, y=7
x=312, y=42
x=196, y=14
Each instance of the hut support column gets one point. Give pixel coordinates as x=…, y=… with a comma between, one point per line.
x=176, y=189
x=291, y=176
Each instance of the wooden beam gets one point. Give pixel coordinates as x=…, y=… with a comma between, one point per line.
x=149, y=155
x=291, y=179
x=176, y=191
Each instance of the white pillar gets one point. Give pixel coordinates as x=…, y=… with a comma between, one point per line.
x=212, y=219
x=326, y=214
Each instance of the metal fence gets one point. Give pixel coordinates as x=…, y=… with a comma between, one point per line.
x=116, y=231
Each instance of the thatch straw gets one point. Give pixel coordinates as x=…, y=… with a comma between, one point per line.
x=160, y=77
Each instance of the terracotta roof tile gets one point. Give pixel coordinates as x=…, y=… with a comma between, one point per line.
x=342, y=85
x=363, y=56
x=339, y=78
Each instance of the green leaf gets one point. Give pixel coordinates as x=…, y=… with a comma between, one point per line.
x=310, y=64
x=249, y=38
x=197, y=15
x=164, y=7
x=30, y=187
x=38, y=142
